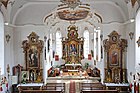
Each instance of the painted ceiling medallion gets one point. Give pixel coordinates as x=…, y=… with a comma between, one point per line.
x=73, y=15
x=71, y=3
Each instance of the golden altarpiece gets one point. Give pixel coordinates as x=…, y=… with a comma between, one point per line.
x=115, y=50
x=72, y=48
x=33, y=54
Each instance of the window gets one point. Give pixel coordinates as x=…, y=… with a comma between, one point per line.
x=86, y=43
x=58, y=44
x=2, y=44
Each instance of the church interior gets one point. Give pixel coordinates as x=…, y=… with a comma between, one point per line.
x=69, y=46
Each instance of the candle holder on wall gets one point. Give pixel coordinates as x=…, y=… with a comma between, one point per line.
x=138, y=42
x=7, y=38
x=131, y=34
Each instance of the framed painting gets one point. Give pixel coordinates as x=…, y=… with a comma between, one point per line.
x=114, y=57
x=33, y=57
x=33, y=50
x=24, y=76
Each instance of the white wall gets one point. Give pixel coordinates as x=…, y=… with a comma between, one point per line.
x=8, y=49
x=2, y=43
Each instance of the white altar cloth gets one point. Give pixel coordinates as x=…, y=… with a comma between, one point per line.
x=115, y=84
x=73, y=65
x=30, y=84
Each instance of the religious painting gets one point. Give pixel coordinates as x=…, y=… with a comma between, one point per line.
x=56, y=57
x=33, y=50
x=73, y=15
x=89, y=56
x=114, y=38
x=33, y=57
x=114, y=57
x=24, y=76
x=73, y=48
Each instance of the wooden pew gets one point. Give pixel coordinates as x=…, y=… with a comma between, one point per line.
x=95, y=88
x=54, y=86
x=48, y=88
x=92, y=86
x=42, y=91
x=99, y=91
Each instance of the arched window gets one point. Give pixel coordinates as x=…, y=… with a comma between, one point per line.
x=58, y=44
x=2, y=44
x=97, y=45
x=137, y=37
x=86, y=43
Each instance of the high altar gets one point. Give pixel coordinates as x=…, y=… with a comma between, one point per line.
x=72, y=49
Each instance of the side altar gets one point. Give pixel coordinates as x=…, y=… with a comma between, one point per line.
x=72, y=48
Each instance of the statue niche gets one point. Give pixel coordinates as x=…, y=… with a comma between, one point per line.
x=72, y=47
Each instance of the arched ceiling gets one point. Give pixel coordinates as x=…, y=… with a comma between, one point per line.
x=36, y=8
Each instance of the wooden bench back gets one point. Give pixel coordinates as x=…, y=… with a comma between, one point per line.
x=99, y=91
x=48, y=88
x=92, y=86
x=54, y=86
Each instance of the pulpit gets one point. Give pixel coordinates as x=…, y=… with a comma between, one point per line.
x=72, y=48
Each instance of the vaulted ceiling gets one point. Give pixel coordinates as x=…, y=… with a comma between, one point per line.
x=36, y=10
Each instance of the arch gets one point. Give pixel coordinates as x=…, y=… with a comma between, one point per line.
x=2, y=43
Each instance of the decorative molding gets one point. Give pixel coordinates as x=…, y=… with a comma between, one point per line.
x=71, y=3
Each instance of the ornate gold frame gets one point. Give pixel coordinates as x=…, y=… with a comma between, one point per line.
x=32, y=46
x=33, y=51
x=114, y=49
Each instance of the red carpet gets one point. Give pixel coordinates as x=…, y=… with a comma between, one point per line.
x=72, y=87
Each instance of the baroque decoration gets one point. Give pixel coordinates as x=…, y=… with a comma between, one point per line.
x=73, y=11
x=115, y=49
x=33, y=48
x=72, y=48
x=71, y=3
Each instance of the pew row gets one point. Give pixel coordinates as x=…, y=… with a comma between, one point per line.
x=99, y=91
x=47, y=88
